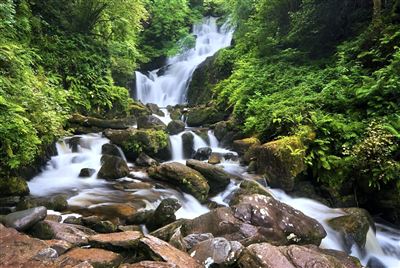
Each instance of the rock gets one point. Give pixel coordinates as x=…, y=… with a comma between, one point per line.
x=164, y=214
x=9, y=201
x=187, y=179
x=46, y=254
x=216, y=177
x=201, y=116
x=134, y=141
x=59, y=246
x=175, y=112
x=192, y=240
x=242, y=146
x=113, y=168
x=96, y=224
x=74, y=234
x=202, y=153
x=258, y=218
x=110, y=149
x=53, y=217
x=57, y=202
x=13, y=186
x=246, y=188
x=18, y=250
x=148, y=264
x=137, y=109
x=265, y=255
x=162, y=251
x=86, y=172
x=277, y=161
x=150, y=122
x=88, y=121
x=140, y=217
x=116, y=241
x=214, y=159
x=217, y=250
x=353, y=227
x=98, y=258
x=144, y=160
x=23, y=220
x=125, y=228
x=113, y=210
x=74, y=143
x=73, y=220
x=175, y=126
x=165, y=233
x=155, y=109
x=188, y=144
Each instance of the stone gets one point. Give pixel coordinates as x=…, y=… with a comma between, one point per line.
x=57, y=202
x=73, y=220
x=202, y=153
x=25, y=219
x=175, y=126
x=159, y=250
x=144, y=160
x=110, y=149
x=9, y=201
x=87, y=121
x=155, y=109
x=13, y=186
x=113, y=168
x=217, y=251
x=202, y=116
x=187, y=179
x=19, y=250
x=98, y=258
x=74, y=234
x=214, y=159
x=113, y=210
x=246, y=188
x=53, y=217
x=164, y=214
x=242, y=146
x=140, y=217
x=60, y=246
x=98, y=225
x=150, y=122
x=116, y=241
x=137, y=109
x=188, y=144
x=265, y=255
x=192, y=240
x=216, y=177
x=148, y=264
x=353, y=227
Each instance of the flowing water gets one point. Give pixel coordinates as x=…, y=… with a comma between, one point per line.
x=61, y=175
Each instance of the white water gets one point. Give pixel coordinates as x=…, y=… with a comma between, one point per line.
x=170, y=88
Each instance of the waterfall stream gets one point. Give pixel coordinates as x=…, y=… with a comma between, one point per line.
x=61, y=175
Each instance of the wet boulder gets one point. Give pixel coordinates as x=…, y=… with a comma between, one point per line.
x=90, y=122
x=98, y=225
x=116, y=241
x=192, y=240
x=110, y=149
x=188, y=144
x=243, y=145
x=164, y=214
x=86, y=172
x=111, y=211
x=247, y=188
x=217, y=251
x=215, y=159
x=175, y=126
x=155, y=109
x=150, y=122
x=353, y=227
x=187, y=179
x=202, y=153
x=57, y=202
x=13, y=186
x=144, y=160
x=265, y=255
x=201, y=116
x=23, y=220
x=113, y=168
x=94, y=256
x=216, y=177
x=137, y=109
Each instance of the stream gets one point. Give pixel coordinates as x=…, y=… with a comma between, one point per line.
x=61, y=174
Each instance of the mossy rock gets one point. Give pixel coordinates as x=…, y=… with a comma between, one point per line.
x=243, y=145
x=187, y=179
x=248, y=187
x=281, y=161
x=13, y=186
x=175, y=126
x=138, y=109
x=113, y=168
x=201, y=116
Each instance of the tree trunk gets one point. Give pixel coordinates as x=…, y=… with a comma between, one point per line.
x=377, y=9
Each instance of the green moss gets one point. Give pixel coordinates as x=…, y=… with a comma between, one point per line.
x=13, y=186
x=201, y=116
x=148, y=141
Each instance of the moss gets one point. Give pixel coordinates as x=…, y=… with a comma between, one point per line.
x=201, y=116
x=137, y=109
x=13, y=186
x=148, y=141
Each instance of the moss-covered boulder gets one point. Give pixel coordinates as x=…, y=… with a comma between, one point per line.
x=113, y=168
x=150, y=122
x=155, y=109
x=187, y=179
x=246, y=188
x=175, y=126
x=353, y=227
x=138, y=109
x=188, y=144
x=281, y=161
x=164, y=214
x=202, y=115
x=13, y=186
x=134, y=141
x=226, y=132
x=243, y=145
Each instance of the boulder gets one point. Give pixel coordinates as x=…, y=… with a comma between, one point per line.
x=215, y=159
x=242, y=146
x=57, y=202
x=188, y=144
x=98, y=225
x=258, y=218
x=159, y=250
x=13, y=186
x=155, y=109
x=88, y=121
x=281, y=161
x=353, y=227
x=113, y=168
x=187, y=179
x=246, y=188
x=110, y=149
x=192, y=240
x=164, y=214
x=217, y=251
x=216, y=177
x=265, y=255
x=175, y=126
x=148, y=264
x=98, y=258
x=23, y=220
x=144, y=160
x=111, y=211
x=150, y=122
x=202, y=153
x=59, y=246
x=74, y=234
x=175, y=112
x=201, y=116
x=9, y=201
x=86, y=172
x=137, y=109
x=118, y=242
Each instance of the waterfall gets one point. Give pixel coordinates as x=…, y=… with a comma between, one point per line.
x=170, y=87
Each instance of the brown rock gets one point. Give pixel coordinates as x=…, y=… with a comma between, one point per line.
x=116, y=210
x=241, y=146
x=59, y=245
x=96, y=257
x=160, y=250
x=214, y=159
x=116, y=241
x=148, y=264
